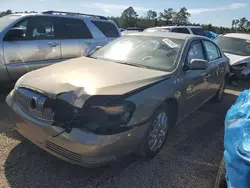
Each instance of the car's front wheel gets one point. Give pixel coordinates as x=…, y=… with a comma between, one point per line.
x=157, y=133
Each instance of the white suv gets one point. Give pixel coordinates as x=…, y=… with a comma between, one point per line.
x=194, y=30
x=32, y=41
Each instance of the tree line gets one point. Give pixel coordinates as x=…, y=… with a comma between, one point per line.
x=130, y=18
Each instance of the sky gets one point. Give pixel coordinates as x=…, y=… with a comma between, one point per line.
x=216, y=12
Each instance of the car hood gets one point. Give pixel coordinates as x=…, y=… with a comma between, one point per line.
x=237, y=59
x=83, y=77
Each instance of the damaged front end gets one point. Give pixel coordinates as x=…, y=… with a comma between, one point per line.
x=105, y=115
x=241, y=71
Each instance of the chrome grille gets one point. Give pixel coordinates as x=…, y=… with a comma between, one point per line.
x=74, y=156
x=33, y=103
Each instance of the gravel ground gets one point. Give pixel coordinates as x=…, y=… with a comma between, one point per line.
x=190, y=158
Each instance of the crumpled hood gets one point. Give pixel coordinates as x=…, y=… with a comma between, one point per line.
x=237, y=59
x=85, y=77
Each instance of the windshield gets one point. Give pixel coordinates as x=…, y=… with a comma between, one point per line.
x=142, y=51
x=234, y=46
x=6, y=20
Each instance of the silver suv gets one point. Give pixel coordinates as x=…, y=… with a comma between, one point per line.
x=32, y=41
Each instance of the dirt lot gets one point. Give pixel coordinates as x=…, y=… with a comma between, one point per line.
x=190, y=158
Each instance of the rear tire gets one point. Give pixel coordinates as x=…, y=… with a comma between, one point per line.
x=146, y=148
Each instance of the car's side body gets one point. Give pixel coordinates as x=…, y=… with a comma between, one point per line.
x=79, y=84
x=71, y=36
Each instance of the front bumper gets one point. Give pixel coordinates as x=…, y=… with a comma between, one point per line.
x=80, y=146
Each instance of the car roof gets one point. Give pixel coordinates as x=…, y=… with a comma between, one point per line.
x=175, y=26
x=60, y=15
x=166, y=34
x=238, y=35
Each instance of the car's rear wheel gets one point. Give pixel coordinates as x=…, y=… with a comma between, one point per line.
x=156, y=135
x=220, y=93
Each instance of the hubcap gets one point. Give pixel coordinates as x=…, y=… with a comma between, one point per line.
x=158, y=132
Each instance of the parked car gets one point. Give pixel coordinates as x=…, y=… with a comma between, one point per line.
x=91, y=110
x=31, y=41
x=211, y=35
x=131, y=30
x=236, y=47
x=194, y=30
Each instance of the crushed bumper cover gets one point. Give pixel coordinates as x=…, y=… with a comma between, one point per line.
x=80, y=146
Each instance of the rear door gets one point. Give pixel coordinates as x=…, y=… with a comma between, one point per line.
x=38, y=46
x=216, y=66
x=76, y=38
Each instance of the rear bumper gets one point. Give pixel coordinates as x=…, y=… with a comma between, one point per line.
x=79, y=146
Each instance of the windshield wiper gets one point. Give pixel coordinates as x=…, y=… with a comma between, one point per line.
x=131, y=64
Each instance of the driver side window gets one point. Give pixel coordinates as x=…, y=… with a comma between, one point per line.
x=195, y=52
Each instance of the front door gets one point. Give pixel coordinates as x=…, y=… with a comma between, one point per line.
x=216, y=66
x=36, y=47
x=194, y=81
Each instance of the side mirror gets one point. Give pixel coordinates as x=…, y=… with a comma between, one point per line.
x=15, y=34
x=198, y=64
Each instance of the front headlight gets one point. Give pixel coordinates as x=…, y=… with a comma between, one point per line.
x=108, y=117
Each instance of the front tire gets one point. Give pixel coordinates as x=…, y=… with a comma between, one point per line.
x=156, y=135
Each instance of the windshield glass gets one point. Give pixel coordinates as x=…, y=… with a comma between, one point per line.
x=234, y=46
x=6, y=20
x=143, y=51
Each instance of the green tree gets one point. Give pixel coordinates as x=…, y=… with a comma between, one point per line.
x=242, y=24
x=181, y=17
x=167, y=16
x=151, y=14
x=4, y=13
x=129, y=18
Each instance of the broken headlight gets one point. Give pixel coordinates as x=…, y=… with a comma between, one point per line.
x=107, y=116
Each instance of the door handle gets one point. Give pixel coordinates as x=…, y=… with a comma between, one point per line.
x=87, y=43
x=207, y=75
x=53, y=44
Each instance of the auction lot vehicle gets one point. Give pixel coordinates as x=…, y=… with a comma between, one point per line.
x=193, y=30
x=236, y=47
x=123, y=98
x=32, y=41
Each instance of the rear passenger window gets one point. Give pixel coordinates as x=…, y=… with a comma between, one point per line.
x=180, y=30
x=212, y=51
x=74, y=29
x=108, y=29
x=198, y=31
